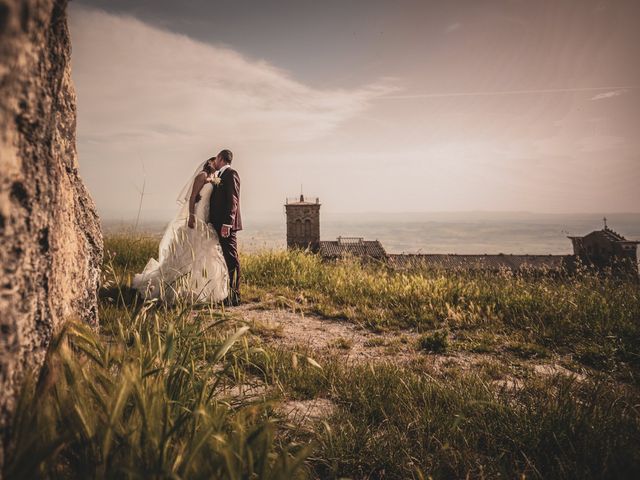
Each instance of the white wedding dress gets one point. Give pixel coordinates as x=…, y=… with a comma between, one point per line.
x=190, y=265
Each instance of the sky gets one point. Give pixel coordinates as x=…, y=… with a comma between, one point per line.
x=373, y=106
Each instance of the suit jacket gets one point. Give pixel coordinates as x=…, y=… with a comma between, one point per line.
x=224, y=208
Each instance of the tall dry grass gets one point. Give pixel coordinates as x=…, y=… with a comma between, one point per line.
x=144, y=399
x=412, y=420
x=596, y=318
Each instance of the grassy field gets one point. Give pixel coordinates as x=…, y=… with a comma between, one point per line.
x=152, y=395
x=594, y=320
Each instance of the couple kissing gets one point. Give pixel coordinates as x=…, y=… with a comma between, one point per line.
x=198, y=254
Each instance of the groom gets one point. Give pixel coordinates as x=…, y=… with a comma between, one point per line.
x=224, y=215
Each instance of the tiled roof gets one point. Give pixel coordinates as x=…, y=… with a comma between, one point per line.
x=608, y=234
x=480, y=262
x=615, y=236
x=352, y=246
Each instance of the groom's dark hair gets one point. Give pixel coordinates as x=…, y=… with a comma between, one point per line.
x=226, y=155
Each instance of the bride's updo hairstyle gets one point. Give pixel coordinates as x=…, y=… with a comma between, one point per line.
x=207, y=166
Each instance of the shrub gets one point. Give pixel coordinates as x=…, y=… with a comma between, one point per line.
x=435, y=342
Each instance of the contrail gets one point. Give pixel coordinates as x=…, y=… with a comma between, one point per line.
x=505, y=92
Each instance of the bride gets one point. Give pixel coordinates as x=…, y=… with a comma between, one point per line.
x=190, y=263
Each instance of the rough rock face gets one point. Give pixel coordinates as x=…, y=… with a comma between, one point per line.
x=50, y=239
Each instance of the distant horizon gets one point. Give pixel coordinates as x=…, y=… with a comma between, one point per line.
x=426, y=232
x=155, y=218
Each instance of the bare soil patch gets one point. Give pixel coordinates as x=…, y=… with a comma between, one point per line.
x=289, y=328
x=325, y=336
x=294, y=329
x=306, y=412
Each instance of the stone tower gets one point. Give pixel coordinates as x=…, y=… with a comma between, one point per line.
x=303, y=223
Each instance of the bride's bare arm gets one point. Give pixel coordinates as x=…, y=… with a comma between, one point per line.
x=198, y=183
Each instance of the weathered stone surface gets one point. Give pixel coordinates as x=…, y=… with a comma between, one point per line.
x=50, y=239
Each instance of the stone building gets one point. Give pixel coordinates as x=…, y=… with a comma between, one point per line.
x=606, y=248
x=303, y=223
x=303, y=232
x=494, y=263
x=598, y=249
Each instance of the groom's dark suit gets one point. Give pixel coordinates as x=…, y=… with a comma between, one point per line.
x=225, y=210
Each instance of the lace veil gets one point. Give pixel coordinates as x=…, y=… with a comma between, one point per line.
x=180, y=219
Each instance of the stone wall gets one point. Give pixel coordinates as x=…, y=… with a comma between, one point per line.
x=50, y=239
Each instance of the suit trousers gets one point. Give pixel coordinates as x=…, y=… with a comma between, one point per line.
x=230, y=251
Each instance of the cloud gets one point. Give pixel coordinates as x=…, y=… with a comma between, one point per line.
x=152, y=104
x=610, y=94
x=453, y=27
x=137, y=83
x=499, y=93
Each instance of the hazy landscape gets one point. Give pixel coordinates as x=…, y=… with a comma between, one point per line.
x=446, y=232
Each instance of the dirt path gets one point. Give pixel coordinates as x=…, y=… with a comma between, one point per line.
x=285, y=328
x=294, y=329
x=317, y=333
